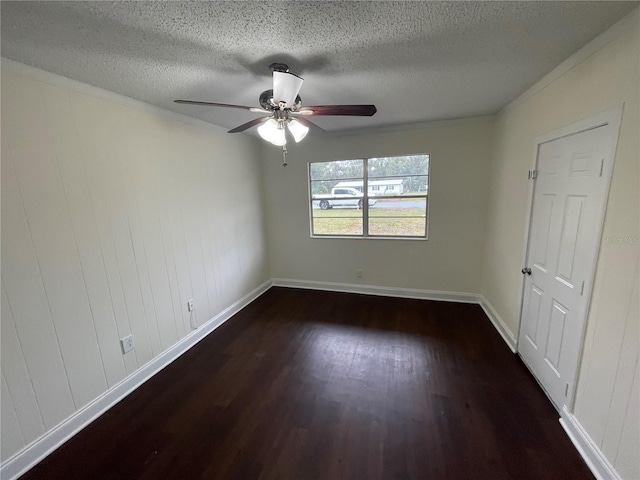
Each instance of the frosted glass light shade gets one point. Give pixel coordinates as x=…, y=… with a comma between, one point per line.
x=286, y=86
x=297, y=129
x=271, y=132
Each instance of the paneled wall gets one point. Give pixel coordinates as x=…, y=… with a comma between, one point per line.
x=113, y=217
x=607, y=399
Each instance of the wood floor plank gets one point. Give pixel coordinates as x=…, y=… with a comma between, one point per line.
x=318, y=385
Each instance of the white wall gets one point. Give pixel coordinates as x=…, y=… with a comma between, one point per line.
x=112, y=218
x=608, y=393
x=447, y=261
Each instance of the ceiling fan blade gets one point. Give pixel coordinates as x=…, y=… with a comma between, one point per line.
x=352, y=110
x=211, y=104
x=309, y=124
x=248, y=125
x=286, y=87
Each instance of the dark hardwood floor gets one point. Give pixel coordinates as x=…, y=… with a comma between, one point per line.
x=317, y=385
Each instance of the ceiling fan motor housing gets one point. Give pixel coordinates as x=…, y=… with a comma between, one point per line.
x=266, y=101
x=279, y=67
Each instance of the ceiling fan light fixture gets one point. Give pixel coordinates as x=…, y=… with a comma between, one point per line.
x=272, y=132
x=297, y=129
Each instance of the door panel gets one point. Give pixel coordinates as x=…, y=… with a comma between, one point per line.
x=568, y=201
x=556, y=330
x=569, y=239
x=581, y=164
x=543, y=228
x=550, y=166
x=535, y=299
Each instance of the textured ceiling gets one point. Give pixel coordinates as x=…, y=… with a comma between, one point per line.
x=416, y=61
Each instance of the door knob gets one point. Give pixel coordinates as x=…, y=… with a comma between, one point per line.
x=526, y=270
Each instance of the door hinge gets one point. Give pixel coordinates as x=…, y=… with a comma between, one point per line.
x=533, y=174
x=582, y=288
x=601, y=167
x=566, y=389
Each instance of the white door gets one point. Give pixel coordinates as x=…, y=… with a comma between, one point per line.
x=566, y=219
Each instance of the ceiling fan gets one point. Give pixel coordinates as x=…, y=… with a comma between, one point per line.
x=285, y=113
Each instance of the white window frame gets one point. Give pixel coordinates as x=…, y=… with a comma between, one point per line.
x=365, y=204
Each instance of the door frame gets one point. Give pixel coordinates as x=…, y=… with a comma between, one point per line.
x=613, y=118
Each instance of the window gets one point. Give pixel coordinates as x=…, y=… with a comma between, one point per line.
x=371, y=197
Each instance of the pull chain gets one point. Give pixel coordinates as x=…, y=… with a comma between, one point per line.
x=284, y=155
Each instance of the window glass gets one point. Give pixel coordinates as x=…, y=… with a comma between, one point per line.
x=374, y=197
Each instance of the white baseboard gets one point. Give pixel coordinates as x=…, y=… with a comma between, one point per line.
x=377, y=290
x=43, y=446
x=588, y=450
x=498, y=323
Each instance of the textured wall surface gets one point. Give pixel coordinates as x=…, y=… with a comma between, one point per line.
x=448, y=261
x=607, y=397
x=112, y=218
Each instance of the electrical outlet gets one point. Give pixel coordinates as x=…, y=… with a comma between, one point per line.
x=127, y=344
x=191, y=305
x=359, y=273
